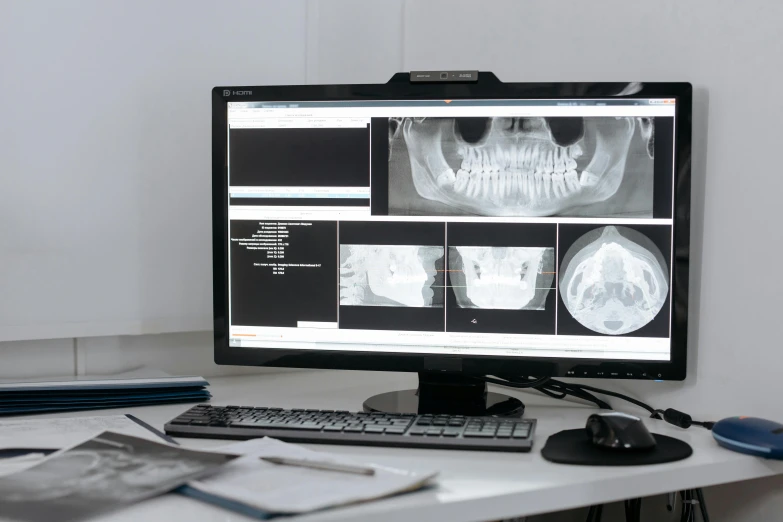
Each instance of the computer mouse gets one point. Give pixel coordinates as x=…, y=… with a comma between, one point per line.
x=619, y=431
x=750, y=435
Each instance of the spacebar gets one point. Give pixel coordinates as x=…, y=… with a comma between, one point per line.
x=274, y=426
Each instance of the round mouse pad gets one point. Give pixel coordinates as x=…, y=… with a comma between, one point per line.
x=573, y=447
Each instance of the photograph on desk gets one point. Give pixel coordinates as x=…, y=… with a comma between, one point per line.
x=531, y=166
x=105, y=472
x=614, y=280
x=501, y=277
x=392, y=275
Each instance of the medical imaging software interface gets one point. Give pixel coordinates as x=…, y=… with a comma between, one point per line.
x=533, y=228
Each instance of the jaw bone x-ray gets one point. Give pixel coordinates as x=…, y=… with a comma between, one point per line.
x=392, y=275
x=611, y=284
x=502, y=166
x=510, y=278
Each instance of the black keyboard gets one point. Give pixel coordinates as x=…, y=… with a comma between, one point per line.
x=344, y=427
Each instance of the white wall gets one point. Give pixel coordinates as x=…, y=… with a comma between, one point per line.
x=105, y=147
x=729, y=50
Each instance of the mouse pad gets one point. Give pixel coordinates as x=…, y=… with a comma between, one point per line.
x=573, y=447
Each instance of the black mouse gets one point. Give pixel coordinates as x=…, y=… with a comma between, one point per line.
x=619, y=431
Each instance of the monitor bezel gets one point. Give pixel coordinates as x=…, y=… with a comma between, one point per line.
x=487, y=87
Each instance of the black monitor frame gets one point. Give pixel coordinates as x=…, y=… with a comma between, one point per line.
x=487, y=87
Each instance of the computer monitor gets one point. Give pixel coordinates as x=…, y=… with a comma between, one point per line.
x=455, y=228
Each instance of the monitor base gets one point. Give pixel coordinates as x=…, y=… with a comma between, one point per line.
x=450, y=394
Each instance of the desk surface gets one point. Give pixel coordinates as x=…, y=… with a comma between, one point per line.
x=472, y=486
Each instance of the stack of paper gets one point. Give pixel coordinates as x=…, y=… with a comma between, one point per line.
x=89, y=393
x=260, y=489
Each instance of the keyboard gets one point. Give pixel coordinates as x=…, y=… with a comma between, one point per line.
x=404, y=430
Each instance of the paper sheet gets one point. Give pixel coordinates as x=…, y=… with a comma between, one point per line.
x=64, y=432
x=289, y=489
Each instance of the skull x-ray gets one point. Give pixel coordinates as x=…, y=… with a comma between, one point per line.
x=392, y=275
x=614, y=280
x=503, y=166
x=509, y=278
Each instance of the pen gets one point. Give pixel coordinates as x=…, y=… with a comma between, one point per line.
x=315, y=464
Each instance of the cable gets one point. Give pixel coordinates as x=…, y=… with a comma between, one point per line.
x=560, y=390
x=594, y=514
x=702, y=505
x=512, y=384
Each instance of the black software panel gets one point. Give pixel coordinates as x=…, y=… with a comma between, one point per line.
x=308, y=157
x=283, y=272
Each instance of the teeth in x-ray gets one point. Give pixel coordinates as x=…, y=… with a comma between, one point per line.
x=613, y=285
x=518, y=168
x=391, y=275
x=511, y=278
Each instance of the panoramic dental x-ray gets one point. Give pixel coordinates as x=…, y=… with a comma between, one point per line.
x=508, y=166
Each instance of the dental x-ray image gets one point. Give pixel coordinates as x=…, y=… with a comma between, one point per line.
x=614, y=280
x=503, y=278
x=507, y=166
x=392, y=275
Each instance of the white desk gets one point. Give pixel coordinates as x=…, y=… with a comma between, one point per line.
x=473, y=486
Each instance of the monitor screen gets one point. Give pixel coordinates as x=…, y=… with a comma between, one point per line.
x=526, y=228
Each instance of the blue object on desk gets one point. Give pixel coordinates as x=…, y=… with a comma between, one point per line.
x=751, y=435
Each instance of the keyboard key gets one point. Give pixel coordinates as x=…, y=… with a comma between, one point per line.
x=353, y=429
x=333, y=428
x=503, y=435
x=395, y=431
x=374, y=429
x=180, y=421
x=439, y=422
x=456, y=422
x=481, y=434
x=434, y=432
x=451, y=432
x=199, y=423
x=424, y=422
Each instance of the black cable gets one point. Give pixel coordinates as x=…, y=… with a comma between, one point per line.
x=512, y=384
x=619, y=396
x=569, y=389
x=684, y=515
x=702, y=505
x=590, y=514
x=560, y=390
x=599, y=512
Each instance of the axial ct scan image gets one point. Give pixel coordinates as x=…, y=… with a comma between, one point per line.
x=508, y=166
x=392, y=275
x=510, y=278
x=614, y=280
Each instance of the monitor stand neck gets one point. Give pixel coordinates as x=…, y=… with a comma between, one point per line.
x=446, y=393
